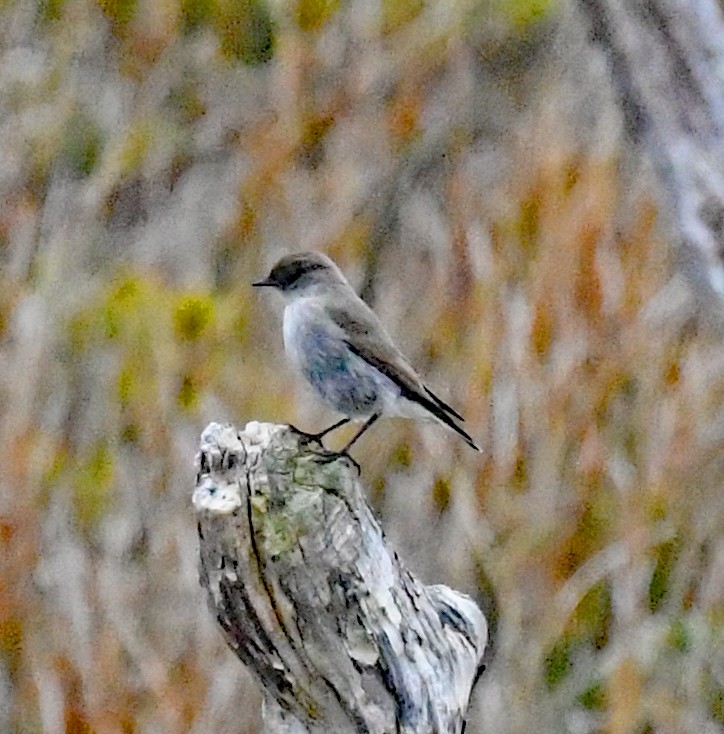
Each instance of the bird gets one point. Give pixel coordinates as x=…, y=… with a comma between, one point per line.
x=342, y=349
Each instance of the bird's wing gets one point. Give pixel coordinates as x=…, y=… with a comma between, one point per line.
x=368, y=339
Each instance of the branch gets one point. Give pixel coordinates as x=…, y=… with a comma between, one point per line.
x=339, y=634
x=667, y=60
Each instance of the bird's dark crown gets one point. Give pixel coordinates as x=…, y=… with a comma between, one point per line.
x=288, y=273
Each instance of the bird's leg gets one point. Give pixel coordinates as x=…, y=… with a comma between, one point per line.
x=319, y=436
x=367, y=425
x=345, y=451
x=332, y=455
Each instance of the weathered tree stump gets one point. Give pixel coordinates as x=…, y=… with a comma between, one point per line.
x=339, y=634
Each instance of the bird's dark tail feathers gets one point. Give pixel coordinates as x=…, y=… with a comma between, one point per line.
x=442, y=404
x=444, y=413
x=448, y=421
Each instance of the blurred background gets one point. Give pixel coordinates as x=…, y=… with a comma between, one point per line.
x=464, y=164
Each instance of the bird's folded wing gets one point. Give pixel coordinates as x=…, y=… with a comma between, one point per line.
x=366, y=337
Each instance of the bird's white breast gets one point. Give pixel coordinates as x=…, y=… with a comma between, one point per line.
x=299, y=317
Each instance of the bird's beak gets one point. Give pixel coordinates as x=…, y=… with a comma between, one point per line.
x=267, y=282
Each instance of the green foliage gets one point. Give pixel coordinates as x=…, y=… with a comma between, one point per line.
x=594, y=615
x=186, y=102
x=402, y=455
x=127, y=385
x=50, y=10
x=592, y=530
x=666, y=557
x=93, y=478
x=519, y=478
x=81, y=145
x=192, y=316
x=312, y=142
x=119, y=311
x=188, y=393
x=558, y=663
x=245, y=29
x=396, y=13
x=137, y=141
x=589, y=629
x=441, y=493
x=529, y=224
x=679, y=637
x=166, y=342
x=120, y=13
x=594, y=697
x=524, y=12
x=716, y=703
x=312, y=14
x=195, y=13
x=619, y=396
x=11, y=642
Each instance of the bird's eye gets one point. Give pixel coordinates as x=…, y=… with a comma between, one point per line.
x=288, y=275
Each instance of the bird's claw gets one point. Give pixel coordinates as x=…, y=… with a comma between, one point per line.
x=328, y=456
x=307, y=437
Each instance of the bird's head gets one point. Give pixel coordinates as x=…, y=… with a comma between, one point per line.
x=303, y=274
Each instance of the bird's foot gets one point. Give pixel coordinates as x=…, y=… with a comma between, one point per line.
x=307, y=437
x=328, y=456
x=318, y=436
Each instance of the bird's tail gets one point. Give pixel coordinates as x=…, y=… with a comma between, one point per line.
x=450, y=423
x=446, y=415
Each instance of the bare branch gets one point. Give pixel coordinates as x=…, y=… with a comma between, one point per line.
x=667, y=60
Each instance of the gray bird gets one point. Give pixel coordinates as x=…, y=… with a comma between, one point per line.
x=337, y=342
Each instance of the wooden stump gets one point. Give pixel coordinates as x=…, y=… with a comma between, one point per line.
x=339, y=634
